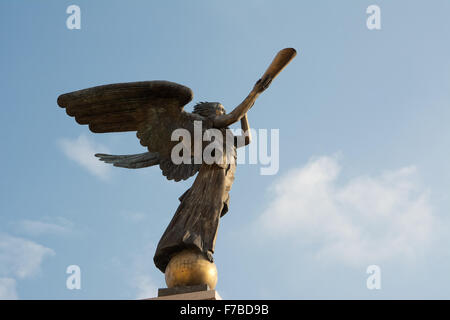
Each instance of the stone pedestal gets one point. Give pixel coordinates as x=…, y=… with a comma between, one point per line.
x=200, y=292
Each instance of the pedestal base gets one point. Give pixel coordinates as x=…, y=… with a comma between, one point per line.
x=199, y=292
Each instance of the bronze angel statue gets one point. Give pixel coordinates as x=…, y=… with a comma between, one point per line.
x=154, y=109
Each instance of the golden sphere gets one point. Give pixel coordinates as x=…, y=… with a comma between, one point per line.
x=189, y=268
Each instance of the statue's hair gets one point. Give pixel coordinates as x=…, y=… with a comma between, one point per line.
x=205, y=109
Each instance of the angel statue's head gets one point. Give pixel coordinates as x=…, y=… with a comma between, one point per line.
x=209, y=109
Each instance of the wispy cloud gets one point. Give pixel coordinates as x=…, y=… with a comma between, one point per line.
x=367, y=220
x=8, y=289
x=144, y=285
x=82, y=151
x=141, y=280
x=134, y=216
x=19, y=258
x=47, y=226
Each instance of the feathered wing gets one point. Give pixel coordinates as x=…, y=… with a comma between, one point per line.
x=148, y=159
x=131, y=161
x=154, y=109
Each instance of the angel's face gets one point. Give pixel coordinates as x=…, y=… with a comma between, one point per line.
x=220, y=110
x=209, y=109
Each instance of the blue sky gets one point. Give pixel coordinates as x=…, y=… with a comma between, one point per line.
x=363, y=119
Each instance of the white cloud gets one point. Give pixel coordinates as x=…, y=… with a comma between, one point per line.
x=8, y=289
x=145, y=288
x=134, y=216
x=140, y=280
x=367, y=220
x=21, y=258
x=82, y=151
x=54, y=226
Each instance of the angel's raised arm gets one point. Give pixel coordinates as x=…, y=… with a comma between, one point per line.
x=239, y=112
x=278, y=63
x=246, y=137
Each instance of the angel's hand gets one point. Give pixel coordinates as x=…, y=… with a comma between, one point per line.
x=262, y=84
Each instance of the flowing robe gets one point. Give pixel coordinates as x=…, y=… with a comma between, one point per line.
x=196, y=220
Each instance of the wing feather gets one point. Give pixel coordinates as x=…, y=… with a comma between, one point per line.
x=131, y=161
x=118, y=107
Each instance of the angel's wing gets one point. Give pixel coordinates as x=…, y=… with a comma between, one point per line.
x=152, y=108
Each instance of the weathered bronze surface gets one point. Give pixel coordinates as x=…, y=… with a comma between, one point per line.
x=154, y=109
